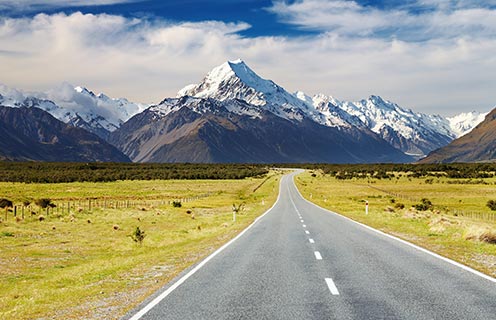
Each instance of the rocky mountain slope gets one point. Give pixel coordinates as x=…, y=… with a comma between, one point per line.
x=32, y=134
x=77, y=106
x=237, y=100
x=479, y=145
x=413, y=133
x=191, y=129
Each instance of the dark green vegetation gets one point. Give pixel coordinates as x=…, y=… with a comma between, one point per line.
x=388, y=171
x=38, y=172
x=491, y=204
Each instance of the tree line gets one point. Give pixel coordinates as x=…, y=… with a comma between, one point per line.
x=57, y=172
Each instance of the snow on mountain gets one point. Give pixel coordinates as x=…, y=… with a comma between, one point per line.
x=235, y=80
x=77, y=106
x=463, y=123
x=204, y=105
x=413, y=133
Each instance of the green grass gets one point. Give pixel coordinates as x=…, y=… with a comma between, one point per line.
x=81, y=265
x=438, y=229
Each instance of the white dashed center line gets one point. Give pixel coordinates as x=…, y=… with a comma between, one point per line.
x=318, y=256
x=332, y=287
x=304, y=226
x=307, y=232
x=311, y=240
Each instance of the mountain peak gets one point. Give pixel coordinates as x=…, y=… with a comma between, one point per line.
x=228, y=78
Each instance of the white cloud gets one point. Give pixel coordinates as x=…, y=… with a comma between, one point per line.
x=147, y=61
x=28, y=5
x=445, y=19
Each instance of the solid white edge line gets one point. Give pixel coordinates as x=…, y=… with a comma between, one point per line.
x=164, y=294
x=452, y=262
x=311, y=240
x=318, y=256
x=332, y=287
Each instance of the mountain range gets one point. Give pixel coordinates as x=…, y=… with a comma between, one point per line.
x=479, y=145
x=234, y=115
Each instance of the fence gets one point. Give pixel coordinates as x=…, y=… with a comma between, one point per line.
x=77, y=205
x=487, y=216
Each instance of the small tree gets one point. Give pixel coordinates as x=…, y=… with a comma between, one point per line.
x=5, y=203
x=491, y=204
x=138, y=235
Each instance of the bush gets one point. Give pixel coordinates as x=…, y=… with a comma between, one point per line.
x=491, y=204
x=138, y=235
x=424, y=205
x=399, y=206
x=176, y=204
x=45, y=203
x=5, y=203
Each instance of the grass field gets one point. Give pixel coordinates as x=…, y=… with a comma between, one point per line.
x=84, y=264
x=442, y=229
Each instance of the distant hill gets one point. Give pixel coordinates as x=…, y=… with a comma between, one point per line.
x=477, y=146
x=32, y=134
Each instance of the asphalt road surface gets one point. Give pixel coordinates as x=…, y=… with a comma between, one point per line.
x=302, y=262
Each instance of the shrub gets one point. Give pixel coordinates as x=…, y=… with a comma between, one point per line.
x=399, y=206
x=424, y=205
x=491, y=204
x=5, y=203
x=176, y=204
x=138, y=235
x=45, y=203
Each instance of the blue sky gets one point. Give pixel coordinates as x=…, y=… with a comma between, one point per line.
x=434, y=56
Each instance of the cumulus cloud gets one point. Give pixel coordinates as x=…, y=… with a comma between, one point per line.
x=148, y=60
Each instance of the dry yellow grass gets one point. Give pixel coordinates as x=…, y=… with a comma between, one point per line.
x=85, y=265
x=469, y=240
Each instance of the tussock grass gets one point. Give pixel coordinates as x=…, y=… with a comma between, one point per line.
x=482, y=234
x=467, y=240
x=86, y=265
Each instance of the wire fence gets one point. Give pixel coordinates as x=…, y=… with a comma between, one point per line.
x=472, y=214
x=62, y=207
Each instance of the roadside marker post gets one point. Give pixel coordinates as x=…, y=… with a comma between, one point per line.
x=366, y=207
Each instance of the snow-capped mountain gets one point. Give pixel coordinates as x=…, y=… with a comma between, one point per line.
x=77, y=106
x=234, y=115
x=235, y=80
x=192, y=129
x=463, y=123
x=413, y=133
x=479, y=145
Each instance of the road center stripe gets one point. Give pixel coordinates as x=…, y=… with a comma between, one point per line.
x=318, y=256
x=332, y=287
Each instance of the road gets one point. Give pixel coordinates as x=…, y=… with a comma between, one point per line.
x=303, y=262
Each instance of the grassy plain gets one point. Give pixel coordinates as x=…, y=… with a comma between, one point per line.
x=84, y=264
x=442, y=229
